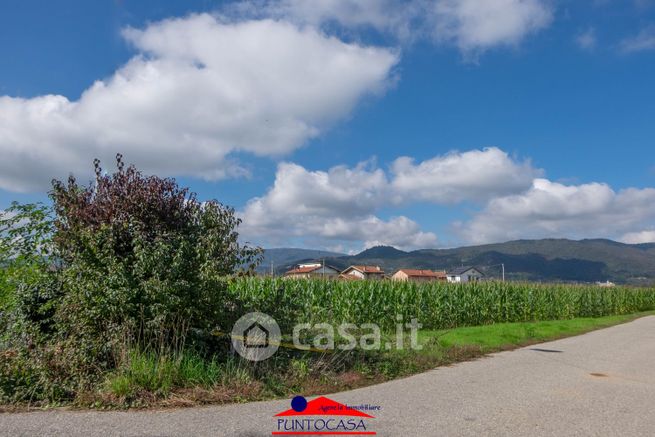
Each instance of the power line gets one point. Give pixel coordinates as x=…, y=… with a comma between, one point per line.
x=502, y=265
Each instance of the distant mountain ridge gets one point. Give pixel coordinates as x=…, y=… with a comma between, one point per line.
x=282, y=259
x=536, y=260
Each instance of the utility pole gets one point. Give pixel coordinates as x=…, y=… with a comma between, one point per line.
x=503, y=266
x=272, y=269
x=323, y=268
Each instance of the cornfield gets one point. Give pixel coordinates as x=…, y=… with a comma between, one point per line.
x=436, y=305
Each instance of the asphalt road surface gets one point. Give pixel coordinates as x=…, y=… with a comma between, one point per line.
x=601, y=383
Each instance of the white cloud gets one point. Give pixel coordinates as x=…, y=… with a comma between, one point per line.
x=551, y=209
x=475, y=26
x=586, y=40
x=400, y=232
x=334, y=207
x=644, y=40
x=339, y=206
x=471, y=25
x=339, y=191
x=329, y=208
x=199, y=89
x=461, y=176
x=390, y=16
x=639, y=237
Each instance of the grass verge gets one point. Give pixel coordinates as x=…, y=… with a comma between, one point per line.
x=502, y=336
x=146, y=379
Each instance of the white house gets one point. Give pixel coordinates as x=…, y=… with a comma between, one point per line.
x=363, y=272
x=312, y=270
x=464, y=274
x=418, y=275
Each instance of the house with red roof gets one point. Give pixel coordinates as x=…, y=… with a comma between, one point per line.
x=363, y=272
x=312, y=270
x=418, y=275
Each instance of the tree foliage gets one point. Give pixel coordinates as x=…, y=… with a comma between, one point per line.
x=25, y=249
x=129, y=259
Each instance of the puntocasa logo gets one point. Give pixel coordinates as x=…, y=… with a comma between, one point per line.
x=323, y=416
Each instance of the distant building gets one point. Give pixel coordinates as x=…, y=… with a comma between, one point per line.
x=464, y=274
x=363, y=272
x=418, y=275
x=606, y=284
x=312, y=270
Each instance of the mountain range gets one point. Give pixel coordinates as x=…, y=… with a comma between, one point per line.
x=546, y=260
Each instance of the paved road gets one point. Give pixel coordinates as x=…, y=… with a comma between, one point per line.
x=601, y=383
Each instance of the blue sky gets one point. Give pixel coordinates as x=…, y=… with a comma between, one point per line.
x=520, y=119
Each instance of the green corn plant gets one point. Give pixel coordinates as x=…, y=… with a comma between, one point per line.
x=436, y=305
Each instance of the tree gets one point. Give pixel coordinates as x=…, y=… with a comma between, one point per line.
x=143, y=257
x=130, y=259
x=25, y=255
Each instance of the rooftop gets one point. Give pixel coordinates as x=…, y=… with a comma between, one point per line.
x=367, y=269
x=461, y=270
x=299, y=270
x=423, y=273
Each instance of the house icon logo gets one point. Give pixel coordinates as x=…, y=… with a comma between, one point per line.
x=256, y=336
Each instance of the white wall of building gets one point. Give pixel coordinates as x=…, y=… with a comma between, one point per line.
x=467, y=276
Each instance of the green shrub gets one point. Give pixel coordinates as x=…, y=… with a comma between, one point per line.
x=25, y=251
x=143, y=258
x=35, y=375
x=129, y=260
x=6, y=291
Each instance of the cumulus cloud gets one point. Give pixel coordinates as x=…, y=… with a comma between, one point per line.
x=400, y=232
x=475, y=26
x=474, y=175
x=340, y=191
x=472, y=25
x=550, y=209
x=199, y=89
x=644, y=40
x=334, y=207
x=639, y=237
x=340, y=205
x=586, y=40
x=389, y=16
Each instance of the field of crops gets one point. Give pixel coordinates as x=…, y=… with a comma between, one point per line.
x=435, y=305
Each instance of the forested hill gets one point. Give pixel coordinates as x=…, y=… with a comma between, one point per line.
x=536, y=260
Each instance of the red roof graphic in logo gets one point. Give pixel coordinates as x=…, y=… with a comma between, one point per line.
x=323, y=406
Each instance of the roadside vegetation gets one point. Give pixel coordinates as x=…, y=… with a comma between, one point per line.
x=499, y=336
x=113, y=295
